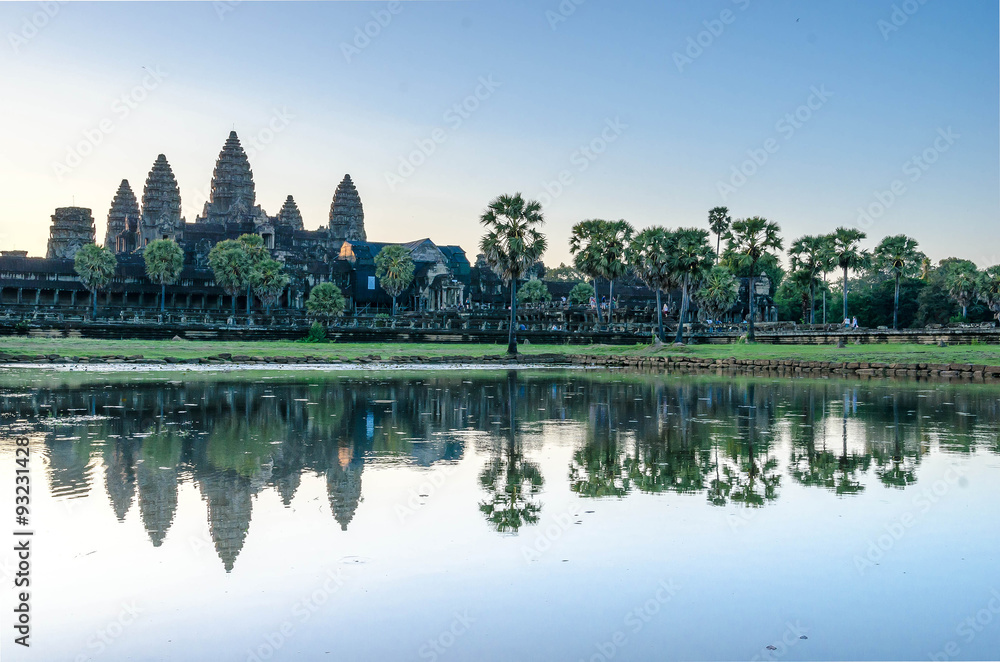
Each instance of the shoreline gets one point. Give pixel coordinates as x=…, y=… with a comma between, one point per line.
x=667, y=364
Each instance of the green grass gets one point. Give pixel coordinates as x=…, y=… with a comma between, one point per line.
x=888, y=353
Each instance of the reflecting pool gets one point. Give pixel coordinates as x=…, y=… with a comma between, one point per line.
x=503, y=515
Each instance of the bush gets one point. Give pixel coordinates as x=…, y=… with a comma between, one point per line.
x=317, y=333
x=534, y=291
x=580, y=294
x=21, y=328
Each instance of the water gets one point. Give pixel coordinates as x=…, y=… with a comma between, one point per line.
x=384, y=516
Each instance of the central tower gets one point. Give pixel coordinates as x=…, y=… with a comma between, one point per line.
x=347, y=216
x=232, y=194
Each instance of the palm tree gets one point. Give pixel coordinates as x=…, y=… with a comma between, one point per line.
x=849, y=254
x=599, y=248
x=690, y=260
x=718, y=293
x=96, y=267
x=512, y=244
x=810, y=254
x=394, y=270
x=326, y=301
x=962, y=281
x=268, y=281
x=749, y=241
x=899, y=255
x=257, y=254
x=649, y=256
x=584, y=244
x=231, y=265
x=989, y=289
x=164, y=262
x=719, y=221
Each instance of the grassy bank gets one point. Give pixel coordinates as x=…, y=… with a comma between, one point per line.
x=186, y=349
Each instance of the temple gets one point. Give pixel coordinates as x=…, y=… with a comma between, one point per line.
x=338, y=251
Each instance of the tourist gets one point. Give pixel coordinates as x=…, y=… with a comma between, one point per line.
x=854, y=322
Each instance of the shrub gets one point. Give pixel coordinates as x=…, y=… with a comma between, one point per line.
x=317, y=333
x=580, y=294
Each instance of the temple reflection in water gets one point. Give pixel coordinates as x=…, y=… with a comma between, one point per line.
x=736, y=442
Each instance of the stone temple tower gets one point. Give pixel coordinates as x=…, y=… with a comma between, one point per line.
x=232, y=195
x=72, y=228
x=347, y=217
x=123, y=216
x=290, y=214
x=161, y=205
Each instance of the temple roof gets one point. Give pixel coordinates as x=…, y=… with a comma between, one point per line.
x=124, y=208
x=290, y=214
x=347, y=216
x=161, y=197
x=232, y=179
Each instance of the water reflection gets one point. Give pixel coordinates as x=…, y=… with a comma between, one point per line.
x=732, y=441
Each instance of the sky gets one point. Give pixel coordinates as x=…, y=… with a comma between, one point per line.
x=876, y=114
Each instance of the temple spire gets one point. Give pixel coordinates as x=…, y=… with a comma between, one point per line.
x=290, y=214
x=347, y=216
x=161, y=204
x=232, y=182
x=124, y=212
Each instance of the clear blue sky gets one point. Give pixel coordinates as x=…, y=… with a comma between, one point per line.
x=668, y=135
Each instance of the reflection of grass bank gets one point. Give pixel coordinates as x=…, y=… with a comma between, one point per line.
x=187, y=349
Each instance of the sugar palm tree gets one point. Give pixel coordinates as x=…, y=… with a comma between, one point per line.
x=599, y=248
x=718, y=293
x=846, y=246
x=512, y=244
x=268, y=280
x=96, y=267
x=164, y=262
x=394, y=270
x=690, y=260
x=257, y=254
x=810, y=254
x=899, y=256
x=962, y=282
x=326, y=301
x=989, y=289
x=588, y=258
x=231, y=265
x=649, y=257
x=749, y=241
x=719, y=222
